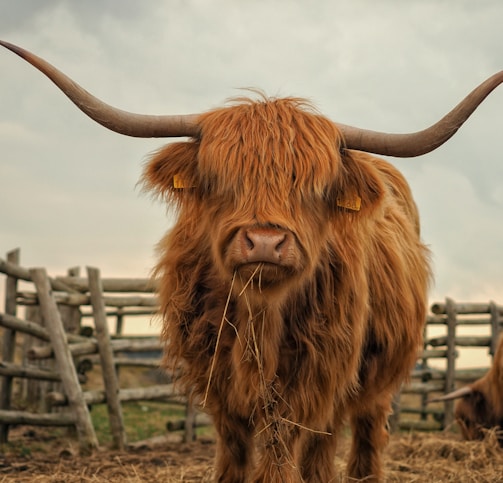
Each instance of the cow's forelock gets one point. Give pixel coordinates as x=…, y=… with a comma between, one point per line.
x=268, y=150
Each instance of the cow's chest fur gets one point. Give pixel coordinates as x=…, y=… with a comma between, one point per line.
x=254, y=360
x=278, y=369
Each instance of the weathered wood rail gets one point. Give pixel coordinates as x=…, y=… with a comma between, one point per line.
x=58, y=353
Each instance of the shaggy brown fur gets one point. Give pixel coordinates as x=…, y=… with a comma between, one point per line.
x=280, y=354
x=483, y=408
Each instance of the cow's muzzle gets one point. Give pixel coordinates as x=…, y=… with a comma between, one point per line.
x=266, y=252
x=263, y=245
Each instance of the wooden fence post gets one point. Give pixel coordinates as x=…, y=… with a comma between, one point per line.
x=85, y=430
x=8, y=343
x=424, y=365
x=120, y=321
x=495, y=327
x=107, y=359
x=190, y=421
x=394, y=418
x=450, y=375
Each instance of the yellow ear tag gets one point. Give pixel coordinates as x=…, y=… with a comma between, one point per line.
x=353, y=204
x=179, y=182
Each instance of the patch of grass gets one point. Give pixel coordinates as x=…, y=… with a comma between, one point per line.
x=142, y=420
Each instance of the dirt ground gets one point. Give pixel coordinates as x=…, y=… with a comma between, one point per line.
x=415, y=457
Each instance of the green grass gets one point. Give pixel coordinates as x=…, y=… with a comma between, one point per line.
x=142, y=420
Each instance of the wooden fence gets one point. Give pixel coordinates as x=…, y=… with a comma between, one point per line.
x=58, y=349
x=55, y=350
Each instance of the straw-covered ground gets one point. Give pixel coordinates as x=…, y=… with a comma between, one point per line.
x=415, y=457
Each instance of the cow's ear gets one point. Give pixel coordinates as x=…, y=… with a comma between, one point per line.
x=171, y=172
x=359, y=185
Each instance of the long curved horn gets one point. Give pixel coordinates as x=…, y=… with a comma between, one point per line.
x=425, y=141
x=461, y=392
x=123, y=122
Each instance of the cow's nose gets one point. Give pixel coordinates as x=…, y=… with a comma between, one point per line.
x=269, y=245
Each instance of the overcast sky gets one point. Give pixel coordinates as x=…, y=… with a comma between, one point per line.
x=68, y=186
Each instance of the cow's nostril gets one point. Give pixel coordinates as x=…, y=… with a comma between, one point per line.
x=281, y=243
x=249, y=241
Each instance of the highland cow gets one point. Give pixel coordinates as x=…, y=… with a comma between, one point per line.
x=293, y=287
x=480, y=405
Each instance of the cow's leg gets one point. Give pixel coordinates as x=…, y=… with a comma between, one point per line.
x=369, y=439
x=279, y=455
x=318, y=458
x=234, y=449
